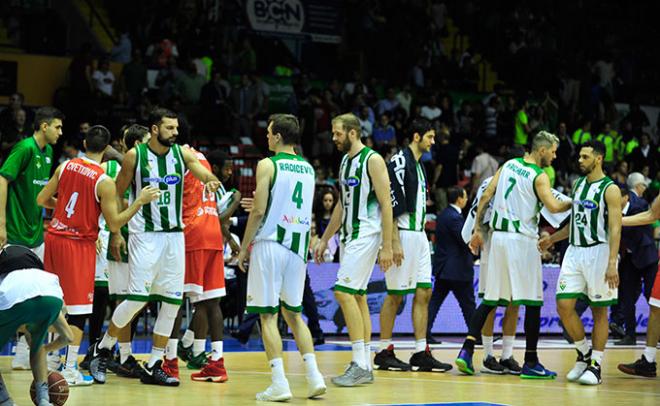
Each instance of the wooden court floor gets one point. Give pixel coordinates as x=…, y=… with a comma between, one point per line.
x=248, y=374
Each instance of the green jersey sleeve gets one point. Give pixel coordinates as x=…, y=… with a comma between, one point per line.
x=16, y=162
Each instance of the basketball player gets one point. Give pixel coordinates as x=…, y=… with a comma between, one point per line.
x=364, y=215
x=589, y=268
x=156, y=247
x=30, y=299
x=22, y=176
x=279, y=226
x=83, y=192
x=514, y=263
x=410, y=244
x=646, y=364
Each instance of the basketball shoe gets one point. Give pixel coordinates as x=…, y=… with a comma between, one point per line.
x=129, y=369
x=156, y=375
x=423, y=361
x=21, y=360
x=213, y=371
x=464, y=362
x=491, y=366
x=536, y=371
x=641, y=367
x=591, y=375
x=171, y=367
x=387, y=360
x=581, y=364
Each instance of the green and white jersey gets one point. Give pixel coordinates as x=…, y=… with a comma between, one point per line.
x=589, y=213
x=416, y=220
x=362, y=214
x=516, y=205
x=224, y=198
x=112, y=170
x=288, y=216
x=27, y=169
x=165, y=172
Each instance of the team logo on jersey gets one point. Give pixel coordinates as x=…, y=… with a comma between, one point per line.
x=562, y=284
x=169, y=179
x=295, y=220
x=588, y=204
x=352, y=181
x=47, y=159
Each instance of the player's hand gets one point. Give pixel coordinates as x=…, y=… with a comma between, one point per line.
x=3, y=235
x=397, y=253
x=212, y=186
x=243, y=259
x=319, y=250
x=148, y=194
x=117, y=246
x=385, y=259
x=247, y=203
x=476, y=242
x=612, y=276
x=545, y=243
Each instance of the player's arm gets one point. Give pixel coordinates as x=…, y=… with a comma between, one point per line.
x=46, y=198
x=225, y=217
x=127, y=172
x=477, y=238
x=265, y=172
x=108, y=196
x=639, y=219
x=199, y=171
x=64, y=334
x=14, y=164
x=559, y=235
x=542, y=187
x=613, y=201
x=112, y=154
x=381, y=182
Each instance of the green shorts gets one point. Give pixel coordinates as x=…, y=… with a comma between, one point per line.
x=37, y=313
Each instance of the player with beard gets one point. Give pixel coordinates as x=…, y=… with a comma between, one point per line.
x=156, y=247
x=589, y=268
x=364, y=215
x=514, y=269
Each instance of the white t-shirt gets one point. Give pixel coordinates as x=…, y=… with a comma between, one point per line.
x=24, y=284
x=104, y=81
x=430, y=113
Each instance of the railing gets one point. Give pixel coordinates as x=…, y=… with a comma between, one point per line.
x=94, y=15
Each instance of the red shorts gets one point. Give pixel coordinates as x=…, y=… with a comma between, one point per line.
x=205, y=275
x=74, y=262
x=655, y=293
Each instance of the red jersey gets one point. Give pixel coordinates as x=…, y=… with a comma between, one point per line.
x=200, y=213
x=78, y=206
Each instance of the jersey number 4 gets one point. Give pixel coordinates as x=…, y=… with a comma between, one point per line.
x=297, y=195
x=70, y=207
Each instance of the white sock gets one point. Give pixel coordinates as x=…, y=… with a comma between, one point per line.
x=277, y=372
x=367, y=357
x=420, y=345
x=107, y=341
x=649, y=353
x=597, y=356
x=125, y=351
x=22, y=341
x=582, y=346
x=156, y=355
x=188, y=338
x=199, y=346
x=384, y=343
x=358, y=353
x=71, y=356
x=488, y=345
x=311, y=367
x=507, y=346
x=216, y=350
x=170, y=349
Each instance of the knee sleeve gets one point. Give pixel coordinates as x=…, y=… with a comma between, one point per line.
x=77, y=320
x=125, y=311
x=165, y=320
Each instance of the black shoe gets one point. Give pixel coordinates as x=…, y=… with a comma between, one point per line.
x=98, y=362
x=431, y=340
x=319, y=340
x=156, y=376
x=423, y=361
x=386, y=360
x=129, y=369
x=511, y=366
x=491, y=366
x=641, y=367
x=617, y=331
x=85, y=362
x=626, y=340
x=113, y=363
x=242, y=338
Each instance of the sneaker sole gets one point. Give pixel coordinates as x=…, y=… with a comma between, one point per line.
x=281, y=398
x=386, y=368
x=318, y=391
x=634, y=373
x=214, y=379
x=356, y=383
x=485, y=370
x=427, y=369
x=463, y=366
x=541, y=377
x=161, y=384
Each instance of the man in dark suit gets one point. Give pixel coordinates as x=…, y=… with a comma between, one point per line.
x=453, y=262
x=639, y=258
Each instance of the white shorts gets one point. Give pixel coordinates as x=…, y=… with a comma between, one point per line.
x=356, y=264
x=415, y=270
x=101, y=274
x=582, y=275
x=514, y=271
x=39, y=250
x=157, y=266
x=118, y=275
x=276, y=275
x=483, y=262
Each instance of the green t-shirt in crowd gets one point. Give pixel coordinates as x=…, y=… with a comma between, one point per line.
x=27, y=169
x=520, y=136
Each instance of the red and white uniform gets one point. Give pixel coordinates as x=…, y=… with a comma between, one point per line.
x=655, y=293
x=205, y=268
x=71, y=238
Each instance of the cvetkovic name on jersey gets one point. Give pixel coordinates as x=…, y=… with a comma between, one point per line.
x=169, y=179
